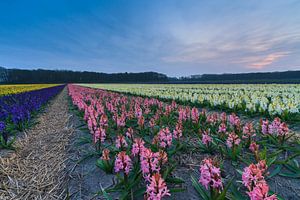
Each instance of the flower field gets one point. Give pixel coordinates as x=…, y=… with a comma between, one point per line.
x=282, y=100
x=142, y=140
x=17, y=110
x=14, y=89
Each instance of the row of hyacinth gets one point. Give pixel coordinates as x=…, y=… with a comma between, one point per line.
x=274, y=100
x=123, y=122
x=16, y=109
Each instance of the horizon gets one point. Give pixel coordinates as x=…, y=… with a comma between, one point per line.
x=171, y=37
x=178, y=77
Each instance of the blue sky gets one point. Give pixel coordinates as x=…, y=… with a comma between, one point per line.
x=174, y=37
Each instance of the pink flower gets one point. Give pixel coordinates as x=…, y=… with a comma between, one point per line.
x=157, y=188
x=177, y=133
x=253, y=174
x=103, y=120
x=141, y=121
x=149, y=163
x=138, y=111
x=152, y=122
x=212, y=119
x=232, y=140
x=223, y=117
x=206, y=139
x=195, y=115
x=138, y=146
x=278, y=128
x=121, y=120
x=123, y=163
x=222, y=128
x=99, y=134
x=162, y=157
x=254, y=147
x=248, y=130
x=129, y=133
x=105, y=154
x=234, y=120
x=260, y=192
x=210, y=175
x=265, y=127
x=168, y=110
x=121, y=142
x=165, y=137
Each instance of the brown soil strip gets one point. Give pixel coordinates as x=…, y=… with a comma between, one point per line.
x=36, y=170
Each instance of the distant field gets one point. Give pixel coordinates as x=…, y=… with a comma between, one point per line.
x=14, y=89
x=269, y=99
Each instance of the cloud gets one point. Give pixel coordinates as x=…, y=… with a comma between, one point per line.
x=267, y=60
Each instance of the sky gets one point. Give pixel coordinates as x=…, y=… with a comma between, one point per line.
x=174, y=37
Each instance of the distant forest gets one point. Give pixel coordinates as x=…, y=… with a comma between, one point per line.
x=17, y=76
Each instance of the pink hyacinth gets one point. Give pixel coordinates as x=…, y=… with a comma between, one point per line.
x=123, y=163
x=157, y=188
x=121, y=142
x=129, y=133
x=223, y=117
x=152, y=122
x=222, y=128
x=206, y=139
x=212, y=119
x=99, y=134
x=138, y=146
x=278, y=128
x=253, y=174
x=165, y=137
x=210, y=175
x=177, y=133
x=248, y=131
x=162, y=157
x=260, y=192
x=103, y=120
x=254, y=147
x=195, y=115
x=141, y=121
x=121, y=120
x=233, y=139
x=149, y=163
x=105, y=154
x=265, y=127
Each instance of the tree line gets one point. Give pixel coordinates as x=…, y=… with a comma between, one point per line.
x=17, y=76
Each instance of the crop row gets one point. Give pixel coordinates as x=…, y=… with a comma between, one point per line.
x=14, y=89
x=16, y=111
x=140, y=139
x=281, y=100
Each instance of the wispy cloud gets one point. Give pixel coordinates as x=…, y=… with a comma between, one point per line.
x=268, y=60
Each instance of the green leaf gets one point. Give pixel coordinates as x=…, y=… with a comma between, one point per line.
x=175, y=180
x=223, y=193
x=235, y=194
x=203, y=194
x=140, y=192
x=290, y=175
x=275, y=171
x=271, y=161
x=239, y=171
x=104, y=193
x=174, y=190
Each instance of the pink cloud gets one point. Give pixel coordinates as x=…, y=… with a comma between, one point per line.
x=267, y=60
